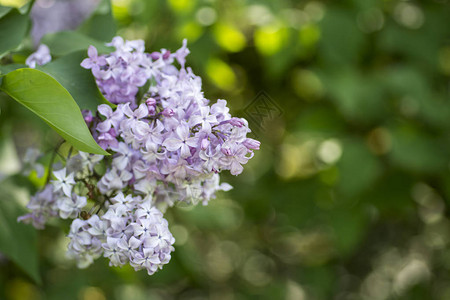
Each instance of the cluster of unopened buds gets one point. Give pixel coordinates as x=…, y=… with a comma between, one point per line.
x=167, y=147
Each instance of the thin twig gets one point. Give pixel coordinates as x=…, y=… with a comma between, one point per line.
x=52, y=159
x=70, y=152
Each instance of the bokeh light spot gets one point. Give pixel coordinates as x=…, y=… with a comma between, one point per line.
x=182, y=6
x=307, y=85
x=221, y=74
x=206, y=16
x=309, y=35
x=92, y=293
x=370, y=20
x=190, y=30
x=259, y=15
x=229, y=37
x=330, y=151
x=409, y=15
x=270, y=39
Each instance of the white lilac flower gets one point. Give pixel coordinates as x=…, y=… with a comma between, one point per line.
x=90, y=160
x=83, y=247
x=70, y=207
x=130, y=247
x=156, y=242
x=211, y=158
x=123, y=157
x=205, y=119
x=181, y=140
x=128, y=201
x=64, y=182
x=113, y=118
x=112, y=251
x=147, y=259
x=42, y=206
x=30, y=162
x=97, y=227
x=114, y=180
x=147, y=211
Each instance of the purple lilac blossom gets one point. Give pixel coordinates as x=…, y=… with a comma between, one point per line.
x=168, y=147
x=174, y=137
x=40, y=57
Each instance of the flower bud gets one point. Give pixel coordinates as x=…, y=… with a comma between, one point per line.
x=236, y=122
x=168, y=112
x=151, y=105
x=150, y=101
x=251, y=144
x=166, y=54
x=155, y=55
x=87, y=115
x=112, y=132
x=204, y=144
x=226, y=151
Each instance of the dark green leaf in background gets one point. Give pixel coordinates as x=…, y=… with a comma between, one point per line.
x=358, y=169
x=4, y=10
x=5, y=69
x=13, y=28
x=350, y=226
x=342, y=41
x=416, y=151
x=101, y=25
x=18, y=241
x=78, y=81
x=65, y=42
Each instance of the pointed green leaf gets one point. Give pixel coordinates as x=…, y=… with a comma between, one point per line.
x=13, y=29
x=4, y=10
x=26, y=8
x=78, y=81
x=44, y=96
x=101, y=24
x=5, y=69
x=18, y=241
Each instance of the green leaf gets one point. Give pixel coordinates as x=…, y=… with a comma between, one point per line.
x=65, y=42
x=358, y=169
x=78, y=81
x=143, y=90
x=44, y=96
x=26, y=8
x=18, y=241
x=416, y=151
x=4, y=10
x=11, y=67
x=13, y=29
x=350, y=226
x=101, y=25
x=339, y=25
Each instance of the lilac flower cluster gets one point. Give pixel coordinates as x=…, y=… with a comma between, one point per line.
x=173, y=142
x=55, y=199
x=168, y=146
x=131, y=231
x=120, y=73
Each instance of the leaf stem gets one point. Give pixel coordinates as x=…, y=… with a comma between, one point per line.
x=52, y=159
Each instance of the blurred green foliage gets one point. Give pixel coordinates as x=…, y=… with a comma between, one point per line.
x=347, y=198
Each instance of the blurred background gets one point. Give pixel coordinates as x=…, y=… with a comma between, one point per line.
x=348, y=197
